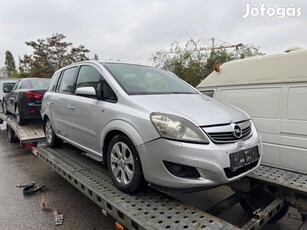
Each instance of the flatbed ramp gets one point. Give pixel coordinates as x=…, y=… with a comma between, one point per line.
x=27, y=133
x=290, y=181
x=148, y=210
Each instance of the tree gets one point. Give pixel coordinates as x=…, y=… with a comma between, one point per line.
x=3, y=72
x=49, y=55
x=249, y=51
x=10, y=66
x=187, y=62
x=193, y=63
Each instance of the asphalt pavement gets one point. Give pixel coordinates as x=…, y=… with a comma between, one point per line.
x=17, y=212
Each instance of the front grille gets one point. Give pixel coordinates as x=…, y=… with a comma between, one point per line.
x=226, y=134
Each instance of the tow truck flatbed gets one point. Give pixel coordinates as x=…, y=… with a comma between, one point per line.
x=287, y=180
x=29, y=134
x=148, y=210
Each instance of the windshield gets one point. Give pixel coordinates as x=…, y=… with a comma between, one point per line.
x=140, y=80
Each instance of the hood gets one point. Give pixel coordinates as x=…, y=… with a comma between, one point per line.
x=199, y=109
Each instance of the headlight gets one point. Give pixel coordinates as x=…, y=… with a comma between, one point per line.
x=177, y=128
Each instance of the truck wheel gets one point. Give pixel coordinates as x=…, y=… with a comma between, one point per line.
x=11, y=134
x=4, y=109
x=52, y=140
x=19, y=118
x=261, y=200
x=124, y=165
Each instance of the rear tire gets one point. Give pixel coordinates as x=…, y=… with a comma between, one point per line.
x=52, y=140
x=19, y=118
x=11, y=134
x=4, y=109
x=124, y=165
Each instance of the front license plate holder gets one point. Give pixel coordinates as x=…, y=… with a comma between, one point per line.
x=243, y=157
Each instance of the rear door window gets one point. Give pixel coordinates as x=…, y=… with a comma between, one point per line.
x=53, y=82
x=67, y=81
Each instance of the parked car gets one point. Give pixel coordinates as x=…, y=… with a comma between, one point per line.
x=149, y=125
x=273, y=90
x=25, y=99
x=6, y=85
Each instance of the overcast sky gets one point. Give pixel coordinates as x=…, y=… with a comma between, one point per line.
x=132, y=30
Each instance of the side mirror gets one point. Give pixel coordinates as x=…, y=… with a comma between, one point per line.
x=86, y=91
x=7, y=88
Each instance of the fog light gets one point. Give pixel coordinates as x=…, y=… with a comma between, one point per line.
x=180, y=170
x=32, y=111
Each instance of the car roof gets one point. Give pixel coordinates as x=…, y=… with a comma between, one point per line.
x=277, y=68
x=9, y=79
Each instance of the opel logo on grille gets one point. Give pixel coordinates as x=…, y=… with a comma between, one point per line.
x=237, y=131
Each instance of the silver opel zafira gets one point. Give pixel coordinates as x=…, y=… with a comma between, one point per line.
x=149, y=127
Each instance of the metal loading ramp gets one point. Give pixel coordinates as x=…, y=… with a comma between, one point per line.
x=31, y=131
x=292, y=181
x=150, y=210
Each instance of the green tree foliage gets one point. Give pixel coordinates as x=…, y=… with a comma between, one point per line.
x=49, y=55
x=10, y=66
x=3, y=72
x=193, y=63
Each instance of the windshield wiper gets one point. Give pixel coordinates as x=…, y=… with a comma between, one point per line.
x=180, y=93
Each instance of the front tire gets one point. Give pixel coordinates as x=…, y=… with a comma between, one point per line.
x=124, y=165
x=52, y=140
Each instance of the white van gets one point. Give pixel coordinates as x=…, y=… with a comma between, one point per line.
x=273, y=90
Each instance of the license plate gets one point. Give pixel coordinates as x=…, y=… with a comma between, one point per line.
x=243, y=158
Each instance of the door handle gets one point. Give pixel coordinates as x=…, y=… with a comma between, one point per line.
x=71, y=107
x=51, y=102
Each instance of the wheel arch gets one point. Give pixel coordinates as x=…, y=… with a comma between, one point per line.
x=44, y=121
x=118, y=127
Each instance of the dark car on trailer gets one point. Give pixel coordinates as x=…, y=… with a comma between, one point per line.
x=25, y=99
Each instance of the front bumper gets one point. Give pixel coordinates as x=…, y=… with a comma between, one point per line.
x=211, y=162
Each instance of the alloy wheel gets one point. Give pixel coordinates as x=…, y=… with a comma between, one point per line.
x=48, y=132
x=122, y=163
